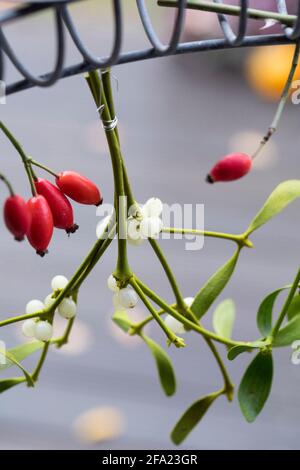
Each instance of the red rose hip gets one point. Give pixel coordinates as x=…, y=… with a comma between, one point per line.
x=41, y=226
x=61, y=209
x=16, y=216
x=230, y=168
x=79, y=188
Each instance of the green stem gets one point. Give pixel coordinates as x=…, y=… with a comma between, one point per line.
x=26, y=316
x=92, y=263
x=106, y=80
x=241, y=240
x=286, y=305
x=228, y=385
x=185, y=321
x=137, y=327
x=283, y=100
x=108, y=101
x=24, y=157
x=37, y=370
x=252, y=13
x=65, y=337
x=77, y=275
x=43, y=167
x=179, y=343
x=163, y=261
x=123, y=271
x=8, y=184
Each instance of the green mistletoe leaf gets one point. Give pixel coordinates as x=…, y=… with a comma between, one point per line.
x=16, y=355
x=265, y=310
x=237, y=350
x=214, y=286
x=121, y=319
x=289, y=333
x=164, y=366
x=294, y=308
x=280, y=198
x=224, y=317
x=6, y=384
x=255, y=386
x=191, y=417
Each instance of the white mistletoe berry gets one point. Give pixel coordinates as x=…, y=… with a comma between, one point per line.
x=49, y=300
x=28, y=328
x=136, y=211
x=34, y=306
x=101, y=231
x=67, y=308
x=151, y=227
x=117, y=303
x=153, y=207
x=59, y=282
x=174, y=325
x=43, y=331
x=134, y=235
x=112, y=284
x=188, y=301
x=127, y=297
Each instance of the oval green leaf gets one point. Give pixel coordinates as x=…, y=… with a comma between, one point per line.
x=191, y=417
x=164, y=366
x=19, y=353
x=289, y=333
x=294, y=308
x=265, y=311
x=280, y=198
x=214, y=286
x=6, y=384
x=121, y=319
x=224, y=317
x=236, y=351
x=256, y=385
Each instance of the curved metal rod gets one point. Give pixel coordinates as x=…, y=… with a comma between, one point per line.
x=53, y=76
x=147, y=54
x=233, y=39
x=1, y=64
x=151, y=34
x=87, y=55
x=291, y=33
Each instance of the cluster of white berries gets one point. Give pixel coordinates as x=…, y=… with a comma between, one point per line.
x=40, y=329
x=144, y=221
x=122, y=298
x=174, y=325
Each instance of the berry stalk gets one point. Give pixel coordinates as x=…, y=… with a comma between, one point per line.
x=24, y=157
x=282, y=103
x=8, y=184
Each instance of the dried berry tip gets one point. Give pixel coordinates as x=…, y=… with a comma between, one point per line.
x=72, y=229
x=209, y=179
x=42, y=253
x=19, y=239
x=99, y=203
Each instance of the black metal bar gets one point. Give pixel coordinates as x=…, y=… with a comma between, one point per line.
x=64, y=21
x=146, y=54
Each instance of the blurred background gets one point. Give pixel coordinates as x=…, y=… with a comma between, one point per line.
x=177, y=116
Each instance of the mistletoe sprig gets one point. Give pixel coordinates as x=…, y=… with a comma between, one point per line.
x=184, y=315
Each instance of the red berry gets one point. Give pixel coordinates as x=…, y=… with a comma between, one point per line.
x=41, y=225
x=79, y=188
x=62, y=211
x=16, y=216
x=230, y=168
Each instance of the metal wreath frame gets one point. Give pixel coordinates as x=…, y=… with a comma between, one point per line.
x=64, y=22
